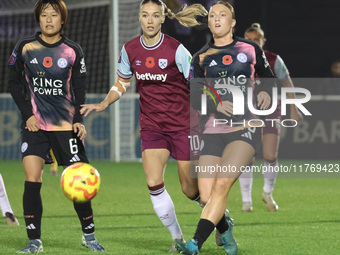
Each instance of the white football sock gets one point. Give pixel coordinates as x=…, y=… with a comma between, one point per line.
x=4, y=203
x=246, y=184
x=165, y=210
x=270, y=176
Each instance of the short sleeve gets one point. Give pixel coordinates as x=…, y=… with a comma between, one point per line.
x=280, y=69
x=124, y=67
x=183, y=60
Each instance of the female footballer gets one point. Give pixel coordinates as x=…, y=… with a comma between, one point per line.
x=51, y=69
x=161, y=67
x=271, y=133
x=225, y=65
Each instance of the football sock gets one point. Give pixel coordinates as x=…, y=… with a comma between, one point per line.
x=165, y=210
x=246, y=183
x=84, y=211
x=89, y=237
x=270, y=176
x=203, y=231
x=222, y=226
x=4, y=203
x=33, y=209
x=198, y=199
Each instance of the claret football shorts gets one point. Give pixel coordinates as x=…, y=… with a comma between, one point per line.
x=178, y=143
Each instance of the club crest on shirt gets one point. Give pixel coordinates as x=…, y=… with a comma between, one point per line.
x=162, y=63
x=62, y=62
x=242, y=57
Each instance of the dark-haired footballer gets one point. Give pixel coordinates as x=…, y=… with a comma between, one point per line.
x=51, y=70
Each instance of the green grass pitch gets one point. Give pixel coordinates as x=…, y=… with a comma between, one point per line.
x=308, y=220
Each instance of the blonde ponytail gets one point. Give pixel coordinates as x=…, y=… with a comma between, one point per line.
x=187, y=15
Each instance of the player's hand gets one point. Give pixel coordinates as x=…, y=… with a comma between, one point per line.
x=295, y=114
x=32, y=124
x=80, y=130
x=87, y=108
x=263, y=100
x=226, y=108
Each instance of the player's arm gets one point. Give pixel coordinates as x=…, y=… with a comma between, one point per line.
x=263, y=70
x=79, y=92
x=79, y=99
x=117, y=90
x=16, y=87
x=282, y=73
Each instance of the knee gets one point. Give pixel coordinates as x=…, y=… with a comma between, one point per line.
x=223, y=185
x=153, y=180
x=270, y=155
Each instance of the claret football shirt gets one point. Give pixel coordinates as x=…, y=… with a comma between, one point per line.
x=161, y=71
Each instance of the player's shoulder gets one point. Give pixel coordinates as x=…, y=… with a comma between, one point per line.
x=270, y=55
x=134, y=42
x=74, y=45
x=25, y=40
x=171, y=41
x=248, y=42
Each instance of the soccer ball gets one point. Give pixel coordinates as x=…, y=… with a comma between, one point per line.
x=80, y=182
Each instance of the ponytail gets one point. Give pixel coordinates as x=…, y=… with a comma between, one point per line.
x=186, y=16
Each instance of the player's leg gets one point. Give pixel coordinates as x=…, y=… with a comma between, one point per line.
x=5, y=206
x=154, y=163
x=205, y=183
x=211, y=153
x=206, y=179
x=180, y=149
x=270, y=142
x=189, y=185
x=214, y=210
x=32, y=203
x=35, y=152
x=69, y=149
x=238, y=153
x=246, y=184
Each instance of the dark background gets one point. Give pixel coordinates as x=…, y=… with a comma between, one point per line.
x=306, y=34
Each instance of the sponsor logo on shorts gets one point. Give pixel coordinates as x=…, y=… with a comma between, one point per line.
x=202, y=145
x=24, y=147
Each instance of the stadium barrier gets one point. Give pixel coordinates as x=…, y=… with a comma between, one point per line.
x=317, y=137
